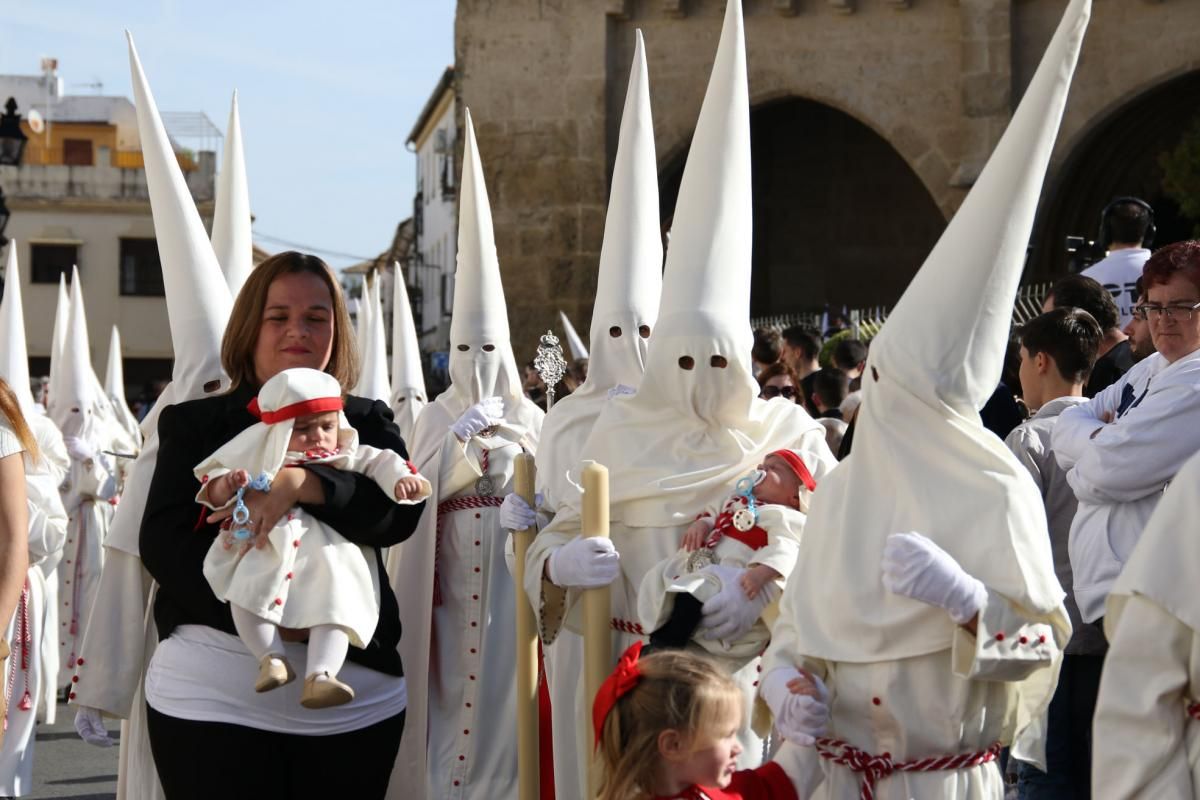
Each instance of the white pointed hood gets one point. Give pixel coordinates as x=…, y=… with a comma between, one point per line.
x=114, y=387
x=696, y=423
x=922, y=460
x=627, y=290
x=14, y=356
x=373, y=382
x=231, y=239
x=58, y=340
x=408, y=380
x=481, y=357
x=480, y=316
x=575, y=344
x=198, y=298
x=198, y=301
x=76, y=409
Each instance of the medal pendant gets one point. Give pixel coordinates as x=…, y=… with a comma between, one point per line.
x=485, y=486
x=699, y=559
x=744, y=519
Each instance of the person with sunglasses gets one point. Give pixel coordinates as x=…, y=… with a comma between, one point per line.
x=779, y=380
x=1123, y=448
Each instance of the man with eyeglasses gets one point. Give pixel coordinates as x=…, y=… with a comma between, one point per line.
x=1141, y=344
x=1123, y=447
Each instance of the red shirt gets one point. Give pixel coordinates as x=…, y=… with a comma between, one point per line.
x=768, y=782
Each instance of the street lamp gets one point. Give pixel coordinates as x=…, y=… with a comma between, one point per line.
x=12, y=147
x=12, y=138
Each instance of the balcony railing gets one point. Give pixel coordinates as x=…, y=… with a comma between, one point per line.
x=122, y=159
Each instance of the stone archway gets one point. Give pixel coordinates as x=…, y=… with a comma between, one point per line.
x=1117, y=156
x=839, y=216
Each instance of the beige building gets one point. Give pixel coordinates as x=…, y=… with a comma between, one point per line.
x=870, y=119
x=79, y=197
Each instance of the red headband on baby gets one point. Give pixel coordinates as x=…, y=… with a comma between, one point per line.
x=317, y=405
x=615, y=686
x=797, y=464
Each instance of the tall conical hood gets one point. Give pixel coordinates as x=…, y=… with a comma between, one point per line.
x=373, y=382
x=922, y=460
x=575, y=346
x=628, y=286
x=707, y=278
x=705, y=310
x=198, y=299
x=14, y=356
x=114, y=387
x=947, y=336
x=77, y=399
x=696, y=424
x=58, y=339
x=231, y=239
x=407, y=376
x=629, y=282
x=481, y=359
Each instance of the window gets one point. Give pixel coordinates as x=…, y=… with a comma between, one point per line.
x=77, y=152
x=51, y=260
x=141, y=271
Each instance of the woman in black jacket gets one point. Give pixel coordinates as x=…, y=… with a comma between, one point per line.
x=210, y=735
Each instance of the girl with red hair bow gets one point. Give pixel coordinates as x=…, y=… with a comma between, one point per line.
x=666, y=729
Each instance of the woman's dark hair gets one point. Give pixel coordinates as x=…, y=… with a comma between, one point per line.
x=774, y=371
x=245, y=321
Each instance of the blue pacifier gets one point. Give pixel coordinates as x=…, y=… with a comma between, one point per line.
x=241, y=514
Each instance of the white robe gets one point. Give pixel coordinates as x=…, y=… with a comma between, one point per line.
x=460, y=656
x=89, y=499
x=944, y=703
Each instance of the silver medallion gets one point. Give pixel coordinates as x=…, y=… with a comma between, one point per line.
x=699, y=559
x=485, y=486
x=744, y=519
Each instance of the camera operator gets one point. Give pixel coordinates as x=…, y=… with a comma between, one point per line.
x=1126, y=228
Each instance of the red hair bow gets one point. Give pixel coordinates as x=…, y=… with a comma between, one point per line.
x=615, y=686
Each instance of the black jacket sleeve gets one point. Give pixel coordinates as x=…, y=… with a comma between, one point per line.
x=174, y=539
x=355, y=506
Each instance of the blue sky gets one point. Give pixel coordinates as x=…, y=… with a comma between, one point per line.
x=327, y=91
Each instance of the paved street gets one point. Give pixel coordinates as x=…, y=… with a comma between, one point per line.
x=64, y=766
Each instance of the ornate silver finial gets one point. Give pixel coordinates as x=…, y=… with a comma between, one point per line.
x=550, y=364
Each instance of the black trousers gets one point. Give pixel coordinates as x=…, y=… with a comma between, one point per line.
x=206, y=760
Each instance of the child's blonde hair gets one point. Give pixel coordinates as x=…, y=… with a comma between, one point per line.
x=679, y=691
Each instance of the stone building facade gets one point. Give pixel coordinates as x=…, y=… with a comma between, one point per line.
x=870, y=120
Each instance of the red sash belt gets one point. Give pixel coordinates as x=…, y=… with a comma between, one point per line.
x=1193, y=711
x=876, y=768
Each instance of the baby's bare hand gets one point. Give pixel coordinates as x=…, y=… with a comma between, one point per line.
x=696, y=534
x=408, y=487
x=750, y=586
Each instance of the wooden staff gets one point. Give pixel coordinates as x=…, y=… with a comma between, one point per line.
x=527, y=661
x=597, y=603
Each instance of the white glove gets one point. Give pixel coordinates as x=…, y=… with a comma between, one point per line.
x=90, y=727
x=515, y=513
x=729, y=614
x=801, y=719
x=78, y=448
x=585, y=563
x=483, y=414
x=916, y=567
